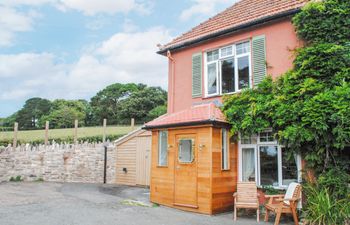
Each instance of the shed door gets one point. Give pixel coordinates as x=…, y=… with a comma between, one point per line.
x=143, y=160
x=186, y=171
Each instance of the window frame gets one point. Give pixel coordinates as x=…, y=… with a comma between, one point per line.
x=160, y=150
x=218, y=63
x=227, y=138
x=193, y=149
x=257, y=161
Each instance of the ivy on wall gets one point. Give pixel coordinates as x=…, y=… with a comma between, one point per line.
x=309, y=106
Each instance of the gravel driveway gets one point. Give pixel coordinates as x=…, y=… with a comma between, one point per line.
x=91, y=204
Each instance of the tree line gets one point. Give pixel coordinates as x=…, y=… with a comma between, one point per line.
x=118, y=103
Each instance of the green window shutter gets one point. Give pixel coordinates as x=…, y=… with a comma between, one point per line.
x=197, y=75
x=259, y=59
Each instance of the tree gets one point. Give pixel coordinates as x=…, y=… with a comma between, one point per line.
x=32, y=111
x=140, y=103
x=308, y=107
x=65, y=112
x=105, y=104
x=157, y=111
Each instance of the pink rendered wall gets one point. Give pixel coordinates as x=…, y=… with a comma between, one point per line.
x=280, y=41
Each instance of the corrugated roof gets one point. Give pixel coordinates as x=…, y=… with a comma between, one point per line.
x=242, y=12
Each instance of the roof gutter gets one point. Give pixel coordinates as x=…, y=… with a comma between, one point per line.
x=230, y=31
x=184, y=124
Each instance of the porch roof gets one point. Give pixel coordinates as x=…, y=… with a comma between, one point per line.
x=196, y=115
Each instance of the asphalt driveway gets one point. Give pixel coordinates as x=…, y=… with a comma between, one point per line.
x=91, y=204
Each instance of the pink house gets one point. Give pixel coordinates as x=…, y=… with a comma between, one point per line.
x=195, y=164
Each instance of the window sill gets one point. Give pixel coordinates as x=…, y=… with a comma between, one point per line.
x=220, y=95
x=162, y=166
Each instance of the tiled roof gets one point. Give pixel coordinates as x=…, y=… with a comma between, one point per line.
x=200, y=113
x=243, y=12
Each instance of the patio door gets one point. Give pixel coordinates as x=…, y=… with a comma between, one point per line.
x=186, y=171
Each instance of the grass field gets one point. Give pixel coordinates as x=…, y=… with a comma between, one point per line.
x=34, y=135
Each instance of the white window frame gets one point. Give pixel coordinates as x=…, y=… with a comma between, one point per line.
x=226, y=159
x=219, y=68
x=257, y=162
x=160, y=150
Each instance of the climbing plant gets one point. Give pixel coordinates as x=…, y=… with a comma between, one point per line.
x=309, y=106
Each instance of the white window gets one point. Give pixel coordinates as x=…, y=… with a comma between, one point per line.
x=186, y=151
x=264, y=161
x=224, y=150
x=228, y=69
x=162, y=148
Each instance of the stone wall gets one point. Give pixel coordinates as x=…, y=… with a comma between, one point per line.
x=58, y=162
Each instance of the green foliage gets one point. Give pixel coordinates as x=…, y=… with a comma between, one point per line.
x=16, y=179
x=157, y=111
x=117, y=103
x=31, y=112
x=328, y=199
x=308, y=107
x=270, y=190
x=325, y=21
x=140, y=103
x=64, y=112
x=106, y=103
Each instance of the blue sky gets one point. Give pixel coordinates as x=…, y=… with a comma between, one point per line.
x=72, y=48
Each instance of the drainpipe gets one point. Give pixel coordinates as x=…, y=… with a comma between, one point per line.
x=172, y=94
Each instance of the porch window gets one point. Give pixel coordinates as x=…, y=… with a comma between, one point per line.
x=224, y=150
x=186, y=151
x=228, y=69
x=266, y=162
x=163, y=148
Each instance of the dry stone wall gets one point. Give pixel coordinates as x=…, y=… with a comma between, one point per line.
x=58, y=162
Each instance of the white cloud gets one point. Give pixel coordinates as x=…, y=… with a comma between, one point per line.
x=93, y=7
x=25, y=2
x=125, y=57
x=203, y=7
x=12, y=21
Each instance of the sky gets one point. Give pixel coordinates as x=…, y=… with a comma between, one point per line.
x=71, y=49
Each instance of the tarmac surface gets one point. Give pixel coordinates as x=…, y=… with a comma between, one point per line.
x=43, y=203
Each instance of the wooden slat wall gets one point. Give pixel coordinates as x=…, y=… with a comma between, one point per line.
x=126, y=158
x=223, y=182
x=162, y=178
x=143, y=159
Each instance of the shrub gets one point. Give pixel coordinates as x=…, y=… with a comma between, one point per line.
x=16, y=179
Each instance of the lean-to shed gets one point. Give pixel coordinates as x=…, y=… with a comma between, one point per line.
x=134, y=158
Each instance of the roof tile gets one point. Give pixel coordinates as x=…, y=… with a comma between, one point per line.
x=199, y=113
x=242, y=12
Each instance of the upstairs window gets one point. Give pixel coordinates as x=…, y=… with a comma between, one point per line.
x=227, y=69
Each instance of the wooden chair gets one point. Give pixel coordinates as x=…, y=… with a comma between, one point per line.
x=246, y=197
x=284, y=203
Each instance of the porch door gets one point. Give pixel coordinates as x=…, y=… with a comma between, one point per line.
x=186, y=171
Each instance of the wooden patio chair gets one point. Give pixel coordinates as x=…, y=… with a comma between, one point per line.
x=246, y=197
x=284, y=203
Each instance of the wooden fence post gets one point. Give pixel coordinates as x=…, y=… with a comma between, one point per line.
x=46, y=133
x=76, y=131
x=104, y=130
x=132, y=123
x=15, y=132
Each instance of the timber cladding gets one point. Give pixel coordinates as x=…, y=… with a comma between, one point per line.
x=201, y=186
x=133, y=157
